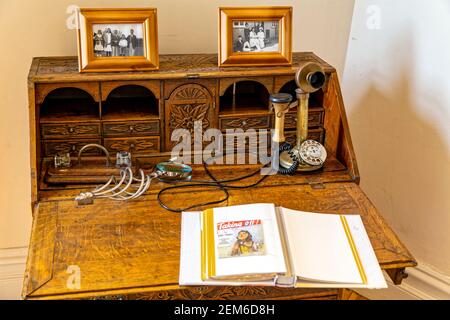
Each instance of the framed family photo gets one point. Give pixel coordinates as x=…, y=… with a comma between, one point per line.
x=255, y=36
x=117, y=40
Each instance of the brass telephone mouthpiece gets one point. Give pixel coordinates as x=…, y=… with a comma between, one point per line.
x=310, y=78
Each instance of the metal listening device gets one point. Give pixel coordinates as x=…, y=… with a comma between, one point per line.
x=306, y=155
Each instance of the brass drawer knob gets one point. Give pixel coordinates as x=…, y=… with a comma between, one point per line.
x=132, y=146
x=131, y=128
x=244, y=123
x=71, y=130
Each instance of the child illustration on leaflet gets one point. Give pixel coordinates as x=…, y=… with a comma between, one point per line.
x=240, y=238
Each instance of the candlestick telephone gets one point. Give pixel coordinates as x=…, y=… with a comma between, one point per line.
x=306, y=155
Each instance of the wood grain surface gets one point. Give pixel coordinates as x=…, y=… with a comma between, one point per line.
x=133, y=247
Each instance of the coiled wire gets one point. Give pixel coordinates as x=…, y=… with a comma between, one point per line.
x=123, y=189
x=293, y=169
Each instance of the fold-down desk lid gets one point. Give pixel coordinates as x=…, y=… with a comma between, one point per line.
x=122, y=248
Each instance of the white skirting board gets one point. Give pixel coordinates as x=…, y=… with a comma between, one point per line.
x=12, y=268
x=423, y=283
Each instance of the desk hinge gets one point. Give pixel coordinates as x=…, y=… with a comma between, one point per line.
x=316, y=185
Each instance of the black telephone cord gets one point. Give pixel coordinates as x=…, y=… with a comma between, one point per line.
x=223, y=186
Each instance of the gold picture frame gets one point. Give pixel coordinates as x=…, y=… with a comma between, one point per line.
x=137, y=51
x=270, y=44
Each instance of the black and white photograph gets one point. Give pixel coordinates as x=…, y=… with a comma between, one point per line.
x=255, y=36
x=118, y=40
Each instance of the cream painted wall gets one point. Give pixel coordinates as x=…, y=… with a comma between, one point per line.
x=38, y=28
x=396, y=87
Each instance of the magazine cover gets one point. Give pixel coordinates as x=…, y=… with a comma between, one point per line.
x=240, y=238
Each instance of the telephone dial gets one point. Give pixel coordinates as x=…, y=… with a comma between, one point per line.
x=306, y=155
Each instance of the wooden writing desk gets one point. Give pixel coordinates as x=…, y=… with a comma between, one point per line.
x=131, y=250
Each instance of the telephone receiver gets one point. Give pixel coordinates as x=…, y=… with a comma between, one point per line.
x=306, y=155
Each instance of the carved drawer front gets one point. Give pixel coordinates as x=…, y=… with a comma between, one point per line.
x=189, y=88
x=52, y=147
x=315, y=119
x=141, y=128
x=313, y=134
x=240, y=142
x=245, y=122
x=133, y=145
x=64, y=131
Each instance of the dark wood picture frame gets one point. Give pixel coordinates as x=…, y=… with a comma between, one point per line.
x=228, y=15
x=88, y=62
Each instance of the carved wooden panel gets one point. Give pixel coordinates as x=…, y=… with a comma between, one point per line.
x=82, y=130
x=187, y=105
x=52, y=147
x=280, y=81
x=236, y=293
x=42, y=90
x=51, y=69
x=225, y=83
x=131, y=128
x=245, y=122
x=153, y=85
x=133, y=145
x=111, y=297
x=171, y=88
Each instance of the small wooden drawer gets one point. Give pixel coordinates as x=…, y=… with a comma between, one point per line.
x=74, y=130
x=52, y=147
x=291, y=136
x=245, y=122
x=315, y=118
x=240, y=142
x=141, y=128
x=313, y=134
x=133, y=145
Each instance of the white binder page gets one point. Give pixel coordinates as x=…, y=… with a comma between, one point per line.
x=375, y=278
x=320, y=248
